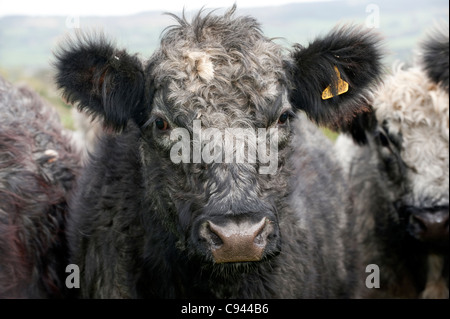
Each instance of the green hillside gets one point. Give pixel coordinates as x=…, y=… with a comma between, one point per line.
x=28, y=41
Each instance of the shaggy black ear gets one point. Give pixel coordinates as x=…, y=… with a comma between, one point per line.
x=333, y=77
x=435, y=56
x=104, y=81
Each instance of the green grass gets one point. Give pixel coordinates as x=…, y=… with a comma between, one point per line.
x=330, y=134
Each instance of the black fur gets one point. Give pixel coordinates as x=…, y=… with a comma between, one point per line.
x=435, y=50
x=361, y=124
x=357, y=56
x=106, y=82
x=133, y=221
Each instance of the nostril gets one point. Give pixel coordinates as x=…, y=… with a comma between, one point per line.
x=214, y=238
x=445, y=223
x=430, y=225
x=264, y=232
x=259, y=239
x=208, y=234
x=417, y=226
x=419, y=223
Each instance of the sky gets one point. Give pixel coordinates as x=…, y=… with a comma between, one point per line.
x=121, y=7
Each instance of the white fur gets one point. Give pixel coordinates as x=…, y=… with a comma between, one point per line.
x=418, y=110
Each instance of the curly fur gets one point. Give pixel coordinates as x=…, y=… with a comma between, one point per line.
x=38, y=167
x=132, y=231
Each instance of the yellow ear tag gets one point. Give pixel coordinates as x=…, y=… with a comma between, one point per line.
x=342, y=87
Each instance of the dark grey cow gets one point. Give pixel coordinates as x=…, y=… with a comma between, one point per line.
x=194, y=196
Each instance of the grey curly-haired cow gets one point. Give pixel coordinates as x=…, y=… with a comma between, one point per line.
x=399, y=177
x=216, y=184
x=39, y=164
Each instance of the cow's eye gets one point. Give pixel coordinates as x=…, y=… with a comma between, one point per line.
x=283, y=118
x=161, y=124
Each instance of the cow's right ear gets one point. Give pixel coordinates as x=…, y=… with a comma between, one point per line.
x=103, y=80
x=434, y=52
x=333, y=77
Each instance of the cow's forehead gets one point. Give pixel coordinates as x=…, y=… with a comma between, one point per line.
x=408, y=99
x=218, y=63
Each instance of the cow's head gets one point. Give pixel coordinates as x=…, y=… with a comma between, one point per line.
x=215, y=106
x=409, y=134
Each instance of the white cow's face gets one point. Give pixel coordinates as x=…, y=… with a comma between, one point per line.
x=412, y=141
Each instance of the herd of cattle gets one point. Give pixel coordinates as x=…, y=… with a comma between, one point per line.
x=363, y=217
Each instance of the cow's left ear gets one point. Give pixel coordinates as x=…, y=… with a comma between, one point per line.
x=101, y=79
x=333, y=77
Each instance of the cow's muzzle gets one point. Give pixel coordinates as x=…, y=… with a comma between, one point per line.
x=429, y=224
x=239, y=239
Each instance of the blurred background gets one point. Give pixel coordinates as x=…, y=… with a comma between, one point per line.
x=31, y=30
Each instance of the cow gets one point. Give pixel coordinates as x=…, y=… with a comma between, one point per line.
x=216, y=181
x=397, y=165
x=39, y=163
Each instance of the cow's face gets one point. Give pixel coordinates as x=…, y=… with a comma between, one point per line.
x=214, y=105
x=412, y=142
x=219, y=123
